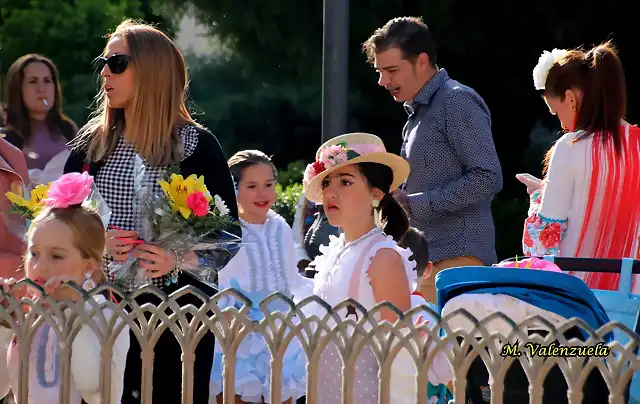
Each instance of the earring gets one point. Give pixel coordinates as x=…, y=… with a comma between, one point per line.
x=88, y=284
x=375, y=203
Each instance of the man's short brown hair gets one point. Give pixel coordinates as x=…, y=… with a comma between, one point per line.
x=409, y=34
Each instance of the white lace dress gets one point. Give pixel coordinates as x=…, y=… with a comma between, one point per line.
x=266, y=263
x=335, y=267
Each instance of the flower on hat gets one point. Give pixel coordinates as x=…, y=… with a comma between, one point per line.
x=68, y=190
x=333, y=155
x=329, y=157
x=311, y=171
x=545, y=63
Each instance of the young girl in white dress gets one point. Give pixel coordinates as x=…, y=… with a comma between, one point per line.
x=352, y=177
x=65, y=243
x=266, y=263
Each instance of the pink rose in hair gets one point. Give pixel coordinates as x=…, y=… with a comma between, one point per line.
x=198, y=203
x=68, y=190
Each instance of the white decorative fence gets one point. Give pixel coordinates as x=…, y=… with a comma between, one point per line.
x=189, y=324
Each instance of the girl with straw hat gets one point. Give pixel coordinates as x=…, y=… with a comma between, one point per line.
x=352, y=177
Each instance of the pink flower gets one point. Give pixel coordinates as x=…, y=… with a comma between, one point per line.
x=198, y=203
x=333, y=155
x=68, y=190
x=312, y=170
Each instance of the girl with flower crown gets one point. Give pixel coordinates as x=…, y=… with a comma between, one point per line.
x=353, y=177
x=587, y=204
x=65, y=243
x=143, y=122
x=265, y=264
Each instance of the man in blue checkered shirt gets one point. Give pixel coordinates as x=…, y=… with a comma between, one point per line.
x=455, y=171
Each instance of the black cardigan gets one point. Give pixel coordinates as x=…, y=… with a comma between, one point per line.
x=207, y=159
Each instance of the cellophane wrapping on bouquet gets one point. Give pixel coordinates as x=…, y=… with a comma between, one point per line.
x=179, y=214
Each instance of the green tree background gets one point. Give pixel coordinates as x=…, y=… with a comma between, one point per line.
x=262, y=88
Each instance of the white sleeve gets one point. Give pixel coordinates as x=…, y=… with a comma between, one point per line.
x=559, y=182
x=298, y=223
x=86, y=359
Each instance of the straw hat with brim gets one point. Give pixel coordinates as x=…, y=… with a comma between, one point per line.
x=344, y=150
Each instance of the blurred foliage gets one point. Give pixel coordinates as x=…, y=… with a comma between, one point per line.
x=287, y=200
x=293, y=174
x=289, y=190
x=247, y=113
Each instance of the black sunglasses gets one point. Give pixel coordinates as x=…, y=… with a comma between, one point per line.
x=117, y=63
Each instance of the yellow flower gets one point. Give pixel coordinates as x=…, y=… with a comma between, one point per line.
x=178, y=189
x=34, y=204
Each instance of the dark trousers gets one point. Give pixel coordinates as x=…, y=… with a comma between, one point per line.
x=167, y=364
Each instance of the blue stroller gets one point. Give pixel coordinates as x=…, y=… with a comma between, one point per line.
x=548, y=294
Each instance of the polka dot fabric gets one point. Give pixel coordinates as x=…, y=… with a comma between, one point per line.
x=455, y=171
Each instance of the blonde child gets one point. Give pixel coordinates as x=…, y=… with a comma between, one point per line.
x=65, y=243
x=266, y=263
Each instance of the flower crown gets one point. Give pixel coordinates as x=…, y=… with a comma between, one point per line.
x=69, y=190
x=545, y=63
x=337, y=154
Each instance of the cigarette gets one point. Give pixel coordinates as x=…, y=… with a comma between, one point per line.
x=45, y=102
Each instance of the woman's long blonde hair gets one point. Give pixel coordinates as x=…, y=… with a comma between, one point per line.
x=158, y=106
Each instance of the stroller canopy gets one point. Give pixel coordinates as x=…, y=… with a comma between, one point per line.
x=555, y=292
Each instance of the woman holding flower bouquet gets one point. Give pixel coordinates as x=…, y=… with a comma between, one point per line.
x=265, y=264
x=142, y=122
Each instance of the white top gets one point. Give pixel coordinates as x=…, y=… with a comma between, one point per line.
x=45, y=368
x=266, y=261
x=336, y=266
x=586, y=179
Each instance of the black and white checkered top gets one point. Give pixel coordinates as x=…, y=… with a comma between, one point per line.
x=116, y=182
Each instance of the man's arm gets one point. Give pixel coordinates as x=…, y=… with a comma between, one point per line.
x=468, y=130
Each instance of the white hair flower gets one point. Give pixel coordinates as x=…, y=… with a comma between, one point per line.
x=545, y=63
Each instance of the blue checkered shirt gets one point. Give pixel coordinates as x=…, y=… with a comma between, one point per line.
x=455, y=171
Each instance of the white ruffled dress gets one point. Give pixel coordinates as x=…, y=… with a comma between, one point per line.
x=45, y=368
x=265, y=264
x=336, y=266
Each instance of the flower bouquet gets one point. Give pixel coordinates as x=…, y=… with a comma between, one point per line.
x=178, y=214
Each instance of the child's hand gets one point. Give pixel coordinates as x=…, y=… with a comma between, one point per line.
x=420, y=322
x=6, y=284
